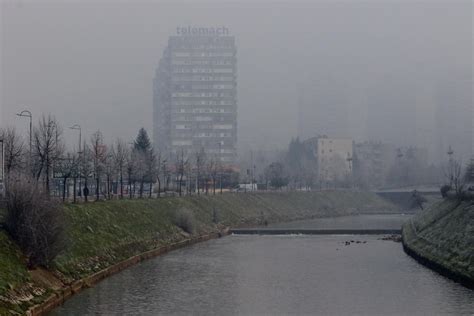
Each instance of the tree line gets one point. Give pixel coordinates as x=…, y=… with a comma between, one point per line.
x=96, y=170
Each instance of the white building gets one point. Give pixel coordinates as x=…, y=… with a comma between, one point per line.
x=334, y=157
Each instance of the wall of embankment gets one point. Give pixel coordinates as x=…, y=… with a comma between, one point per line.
x=442, y=238
x=105, y=237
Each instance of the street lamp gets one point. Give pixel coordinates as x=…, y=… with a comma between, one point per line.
x=26, y=113
x=78, y=127
x=450, y=153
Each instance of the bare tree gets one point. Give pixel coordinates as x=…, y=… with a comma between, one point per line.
x=151, y=167
x=66, y=168
x=99, y=154
x=109, y=173
x=188, y=173
x=200, y=157
x=182, y=162
x=159, y=167
x=166, y=175
x=13, y=147
x=74, y=167
x=212, y=167
x=458, y=179
x=35, y=222
x=140, y=160
x=120, y=152
x=131, y=167
x=47, y=147
x=454, y=175
x=86, y=169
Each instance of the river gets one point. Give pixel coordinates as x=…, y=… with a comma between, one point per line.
x=280, y=275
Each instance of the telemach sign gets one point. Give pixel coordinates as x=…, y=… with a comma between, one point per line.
x=202, y=31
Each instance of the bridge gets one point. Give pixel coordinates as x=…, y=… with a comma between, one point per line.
x=305, y=231
x=403, y=196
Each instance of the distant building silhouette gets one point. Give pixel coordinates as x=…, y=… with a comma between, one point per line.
x=195, y=95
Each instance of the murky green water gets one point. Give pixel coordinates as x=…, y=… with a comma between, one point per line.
x=277, y=275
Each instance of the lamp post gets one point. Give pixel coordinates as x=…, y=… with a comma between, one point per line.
x=26, y=113
x=78, y=127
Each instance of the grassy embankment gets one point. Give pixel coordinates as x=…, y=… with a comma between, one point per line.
x=101, y=234
x=442, y=237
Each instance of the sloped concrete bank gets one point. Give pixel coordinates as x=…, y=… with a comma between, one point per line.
x=442, y=239
x=60, y=296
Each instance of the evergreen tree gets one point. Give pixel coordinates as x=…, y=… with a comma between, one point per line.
x=277, y=175
x=142, y=142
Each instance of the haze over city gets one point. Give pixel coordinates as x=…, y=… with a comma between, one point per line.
x=381, y=71
x=264, y=157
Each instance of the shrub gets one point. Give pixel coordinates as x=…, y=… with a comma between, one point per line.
x=444, y=190
x=184, y=219
x=417, y=199
x=35, y=222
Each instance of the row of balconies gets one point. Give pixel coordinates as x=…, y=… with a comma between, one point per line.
x=207, y=126
x=194, y=110
x=196, y=87
x=198, y=78
x=196, y=94
x=202, y=47
x=203, y=70
x=202, y=54
x=212, y=62
x=176, y=102
x=204, y=117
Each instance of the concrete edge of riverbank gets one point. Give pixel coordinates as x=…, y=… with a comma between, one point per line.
x=60, y=296
x=295, y=231
x=431, y=264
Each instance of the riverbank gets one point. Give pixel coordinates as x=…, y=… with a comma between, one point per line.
x=102, y=234
x=442, y=238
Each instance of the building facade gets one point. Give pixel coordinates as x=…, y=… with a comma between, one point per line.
x=372, y=163
x=333, y=157
x=195, y=94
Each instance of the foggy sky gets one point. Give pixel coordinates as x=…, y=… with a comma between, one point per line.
x=92, y=63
